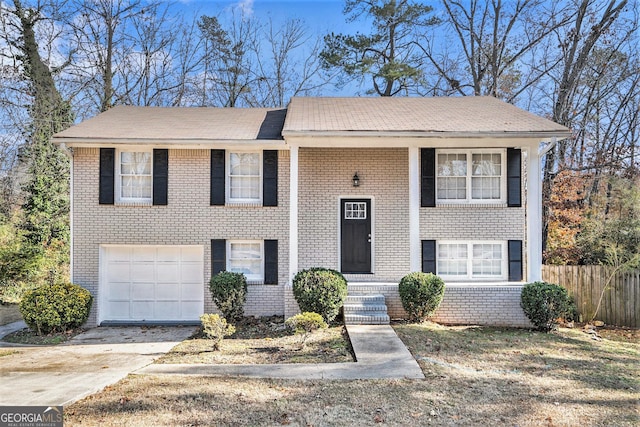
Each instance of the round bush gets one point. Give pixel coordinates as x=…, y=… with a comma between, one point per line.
x=545, y=303
x=55, y=308
x=229, y=293
x=421, y=294
x=320, y=290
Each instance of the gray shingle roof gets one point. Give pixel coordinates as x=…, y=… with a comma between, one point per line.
x=178, y=123
x=429, y=115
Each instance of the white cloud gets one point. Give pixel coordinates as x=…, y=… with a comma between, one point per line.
x=245, y=7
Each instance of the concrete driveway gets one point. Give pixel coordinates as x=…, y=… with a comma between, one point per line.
x=62, y=374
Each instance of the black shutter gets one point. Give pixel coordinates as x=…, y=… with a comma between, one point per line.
x=270, y=178
x=514, y=177
x=427, y=177
x=515, y=260
x=270, y=262
x=218, y=256
x=429, y=256
x=217, y=177
x=160, y=176
x=107, y=176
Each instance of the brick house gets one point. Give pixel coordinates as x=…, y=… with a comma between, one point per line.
x=162, y=198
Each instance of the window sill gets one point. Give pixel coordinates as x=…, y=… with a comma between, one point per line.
x=139, y=204
x=257, y=204
x=472, y=205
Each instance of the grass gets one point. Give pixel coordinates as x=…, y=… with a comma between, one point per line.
x=27, y=336
x=264, y=341
x=474, y=376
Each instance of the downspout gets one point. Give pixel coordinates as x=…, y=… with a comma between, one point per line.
x=68, y=151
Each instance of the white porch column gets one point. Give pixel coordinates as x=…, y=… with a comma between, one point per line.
x=534, y=216
x=414, y=209
x=293, y=213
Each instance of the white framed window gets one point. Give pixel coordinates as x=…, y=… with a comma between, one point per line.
x=471, y=176
x=134, y=181
x=246, y=257
x=462, y=260
x=244, y=177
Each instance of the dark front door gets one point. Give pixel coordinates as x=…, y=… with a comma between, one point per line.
x=355, y=235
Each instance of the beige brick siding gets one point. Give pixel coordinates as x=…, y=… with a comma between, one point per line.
x=463, y=304
x=483, y=222
x=188, y=219
x=325, y=176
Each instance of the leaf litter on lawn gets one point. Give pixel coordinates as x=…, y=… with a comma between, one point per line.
x=265, y=341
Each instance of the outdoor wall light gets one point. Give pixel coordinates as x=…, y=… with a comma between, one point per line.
x=356, y=180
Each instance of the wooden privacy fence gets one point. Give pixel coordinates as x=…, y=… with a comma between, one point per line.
x=621, y=300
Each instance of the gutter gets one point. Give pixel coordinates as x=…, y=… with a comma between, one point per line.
x=426, y=134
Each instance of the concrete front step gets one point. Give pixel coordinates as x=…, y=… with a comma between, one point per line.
x=366, y=319
x=348, y=308
x=365, y=310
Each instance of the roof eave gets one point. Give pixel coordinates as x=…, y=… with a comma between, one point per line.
x=156, y=142
x=542, y=135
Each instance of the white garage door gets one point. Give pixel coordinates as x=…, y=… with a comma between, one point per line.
x=152, y=283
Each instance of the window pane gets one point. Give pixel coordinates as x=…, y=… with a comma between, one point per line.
x=485, y=188
x=244, y=187
x=244, y=176
x=485, y=180
x=486, y=164
x=452, y=164
x=452, y=171
x=245, y=164
x=246, y=258
x=452, y=259
x=487, y=260
x=135, y=163
x=136, y=181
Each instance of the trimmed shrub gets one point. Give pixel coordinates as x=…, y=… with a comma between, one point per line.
x=544, y=303
x=55, y=308
x=229, y=293
x=320, y=290
x=216, y=328
x=421, y=294
x=304, y=324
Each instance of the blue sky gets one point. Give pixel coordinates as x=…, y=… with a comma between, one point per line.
x=322, y=16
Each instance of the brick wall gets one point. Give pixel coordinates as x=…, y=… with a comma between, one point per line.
x=325, y=176
x=463, y=304
x=188, y=219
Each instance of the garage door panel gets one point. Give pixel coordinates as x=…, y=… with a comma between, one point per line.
x=119, y=310
x=143, y=310
x=143, y=291
x=144, y=253
x=169, y=309
x=192, y=254
x=191, y=310
x=192, y=273
x=118, y=272
x=119, y=291
x=142, y=272
x=147, y=283
x=191, y=290
x=168, y=272
x=168, y=291
x=168, y=253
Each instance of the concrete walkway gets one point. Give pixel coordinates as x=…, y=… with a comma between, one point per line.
x=379, y=353
x=62, y=374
